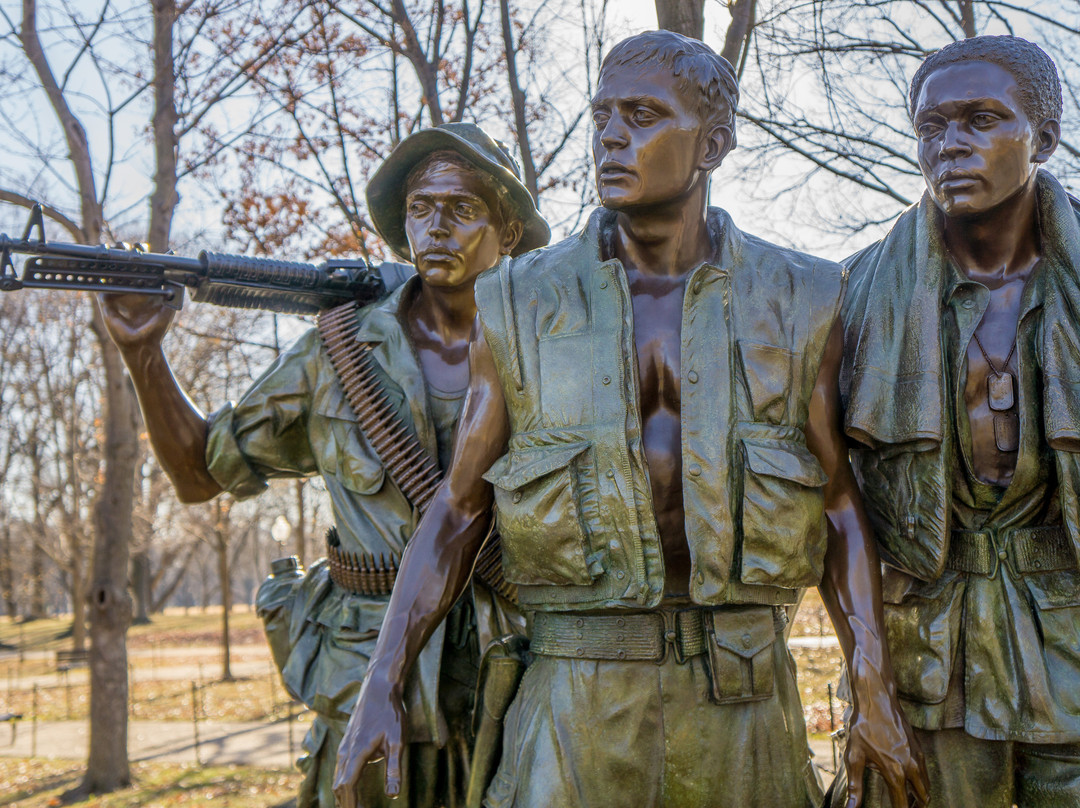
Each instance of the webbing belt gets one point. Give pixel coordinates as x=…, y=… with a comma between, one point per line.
x=640, y=636
x=1026, y=549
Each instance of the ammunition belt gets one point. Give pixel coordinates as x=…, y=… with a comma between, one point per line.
x=634, y=636
x=362, y=573
x=1027, y=549
x=406, y=462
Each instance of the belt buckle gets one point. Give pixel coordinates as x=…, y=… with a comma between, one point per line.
x=673, y=637
x=998, y=551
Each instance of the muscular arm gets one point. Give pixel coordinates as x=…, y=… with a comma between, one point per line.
x=435, y=568
x=177, y=429
x=851, y=591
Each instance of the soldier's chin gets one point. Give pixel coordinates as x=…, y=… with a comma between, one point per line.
x=617, y=198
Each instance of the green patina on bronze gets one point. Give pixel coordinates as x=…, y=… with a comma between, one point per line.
x=572, y=493
x=295, y=421
x=995, y=655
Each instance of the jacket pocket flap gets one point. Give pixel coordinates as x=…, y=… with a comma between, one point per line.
x=516, y=468
x=785, y=459
x=1055, y=590
x=744, y=634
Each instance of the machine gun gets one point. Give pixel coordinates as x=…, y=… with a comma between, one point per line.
x=237, y=281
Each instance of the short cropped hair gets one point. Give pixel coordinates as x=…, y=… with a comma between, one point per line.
x=1034, y=71
x=704, y=76
x=505, y=209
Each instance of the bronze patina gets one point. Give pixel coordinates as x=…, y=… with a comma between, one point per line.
x=961, y=355
x=448, y=200
x=653, y=409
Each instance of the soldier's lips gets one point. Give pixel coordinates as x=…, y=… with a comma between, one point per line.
x=955, y=180
x=610, y=170
x=437, y=255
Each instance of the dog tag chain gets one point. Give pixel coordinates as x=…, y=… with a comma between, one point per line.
x=1001, y=396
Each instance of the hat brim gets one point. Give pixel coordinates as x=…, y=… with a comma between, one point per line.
x=386, y=191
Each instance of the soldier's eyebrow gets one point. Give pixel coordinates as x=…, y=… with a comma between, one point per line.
x=456, y=193
x=632, y=101
x=963, y=105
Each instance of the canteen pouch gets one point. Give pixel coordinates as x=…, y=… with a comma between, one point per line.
x=740, y=643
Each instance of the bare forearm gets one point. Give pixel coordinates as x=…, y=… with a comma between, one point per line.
x=851, y=591
x=176, y=427
x=435, y=570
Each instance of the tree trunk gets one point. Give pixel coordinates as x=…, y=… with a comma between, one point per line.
x=110, y=603
x=737, y=39
x=7, y=573
x=164, y=198
x=140, y=587
x=37, y=581
x=221, y=547
x=528, y=167
x=78, y=595
x=686, y=17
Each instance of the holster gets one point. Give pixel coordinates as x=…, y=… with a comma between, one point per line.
x=501, y=668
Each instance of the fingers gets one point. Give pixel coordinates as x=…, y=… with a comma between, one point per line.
x=855, y=764
x=918, y=779
x=393, y=770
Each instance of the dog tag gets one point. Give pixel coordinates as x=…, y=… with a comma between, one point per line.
x=999, y=391
x=1007, y=432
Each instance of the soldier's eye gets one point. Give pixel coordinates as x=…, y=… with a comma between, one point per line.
x=643, y=116
x=982, y=120
x=600, y=118
x=928, y=129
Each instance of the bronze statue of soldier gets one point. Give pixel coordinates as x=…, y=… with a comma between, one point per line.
x=961, y=360
x=450, y=201
x=653, y=408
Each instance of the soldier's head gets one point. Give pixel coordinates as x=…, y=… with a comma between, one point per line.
x=987, y=113
x=450, y=200
x=663, y=119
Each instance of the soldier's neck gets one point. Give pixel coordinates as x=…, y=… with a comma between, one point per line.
x=998, y=245
x=444, y=312
x=668, y=239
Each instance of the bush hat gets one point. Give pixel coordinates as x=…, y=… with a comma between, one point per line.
x=386, y=191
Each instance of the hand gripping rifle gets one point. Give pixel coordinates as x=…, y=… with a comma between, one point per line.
x=237, y=281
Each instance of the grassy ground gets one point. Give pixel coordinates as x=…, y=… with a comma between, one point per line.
x=261, y=697
x=242, y=699
x=175, y=628
x=39, y=783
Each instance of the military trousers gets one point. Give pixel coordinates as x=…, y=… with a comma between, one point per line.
x=586, y=733
x=969, y=772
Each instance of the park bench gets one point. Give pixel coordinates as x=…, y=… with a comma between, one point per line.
x=13, y=719
x=66, y=660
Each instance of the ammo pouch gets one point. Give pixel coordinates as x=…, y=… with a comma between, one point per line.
x=740, y=648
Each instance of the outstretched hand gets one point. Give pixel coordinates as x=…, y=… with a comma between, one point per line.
x=374, y=733
x=879, y=737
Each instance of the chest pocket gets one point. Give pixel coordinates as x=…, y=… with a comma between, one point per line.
x=768, y=372
x=783, y=514
x=341, y=452
x=537, y=493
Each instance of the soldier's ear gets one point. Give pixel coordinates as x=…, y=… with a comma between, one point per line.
x=1047, y=137
x=718, y=142
x=511, y=235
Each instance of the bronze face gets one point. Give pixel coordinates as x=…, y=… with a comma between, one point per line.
x=977, y=148
x=452, y=226
x=648, y=143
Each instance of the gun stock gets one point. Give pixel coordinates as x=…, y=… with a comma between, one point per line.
x=236, y=281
